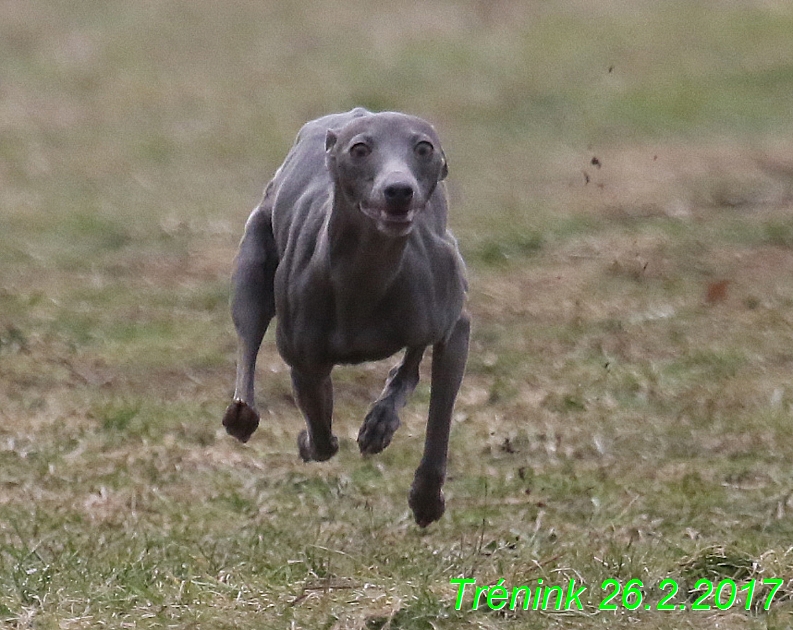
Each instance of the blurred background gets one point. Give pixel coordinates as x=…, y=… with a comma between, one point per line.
x=621, y=181
x=131, y=113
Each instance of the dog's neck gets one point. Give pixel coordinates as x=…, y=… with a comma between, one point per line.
x=364, y=262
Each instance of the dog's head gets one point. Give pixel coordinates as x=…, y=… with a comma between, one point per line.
x=387, y=166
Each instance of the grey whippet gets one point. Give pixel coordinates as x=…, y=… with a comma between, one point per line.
x=349, y=248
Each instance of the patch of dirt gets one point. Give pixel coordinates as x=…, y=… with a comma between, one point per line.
x=675, y=181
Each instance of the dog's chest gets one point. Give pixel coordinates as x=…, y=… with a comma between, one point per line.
x=361, y=331
x=350, y=314
x=345, y=346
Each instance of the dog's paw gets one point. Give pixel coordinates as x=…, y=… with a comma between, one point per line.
x=377, y=429
x=426, y=500
x=308, y=453
x=240, y=420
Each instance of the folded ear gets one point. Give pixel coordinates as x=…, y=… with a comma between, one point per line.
x=330, y=155
x=444, y=167
x=330, y=140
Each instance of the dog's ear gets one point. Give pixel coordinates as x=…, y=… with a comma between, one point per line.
x=330, y=140
x=330, y=155
x=444, y=167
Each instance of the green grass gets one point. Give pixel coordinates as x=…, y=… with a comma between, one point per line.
x=620, y=418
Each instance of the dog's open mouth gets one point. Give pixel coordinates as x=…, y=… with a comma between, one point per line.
x=398, y=217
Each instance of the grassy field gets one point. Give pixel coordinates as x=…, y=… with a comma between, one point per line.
x=621, y=176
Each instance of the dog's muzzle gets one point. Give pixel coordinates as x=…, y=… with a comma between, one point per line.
x=394, y=208
x=399, y=217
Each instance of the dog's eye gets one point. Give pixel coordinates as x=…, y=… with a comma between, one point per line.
x=424, y=149
x=359, y=150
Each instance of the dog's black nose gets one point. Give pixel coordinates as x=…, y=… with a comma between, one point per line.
x=398, y=193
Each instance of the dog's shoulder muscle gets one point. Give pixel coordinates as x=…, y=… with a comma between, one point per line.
x=302, y=184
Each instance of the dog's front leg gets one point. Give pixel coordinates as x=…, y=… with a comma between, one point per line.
x=382, y=420
x=314, y=395
x=448, y=366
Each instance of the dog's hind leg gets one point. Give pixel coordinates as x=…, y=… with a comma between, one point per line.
x=448, y=366
x=383, y=420
x=252, y=308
